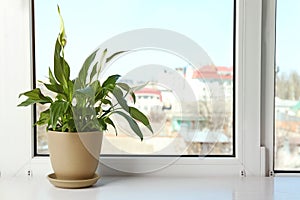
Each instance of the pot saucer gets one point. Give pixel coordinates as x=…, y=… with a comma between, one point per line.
x=72, y=184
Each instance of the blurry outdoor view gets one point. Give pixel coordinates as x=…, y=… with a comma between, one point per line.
x=287, y=88
x=190, y=107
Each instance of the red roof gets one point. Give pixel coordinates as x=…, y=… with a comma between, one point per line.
x=224, y=69
x=211, y=72
x=149, y=91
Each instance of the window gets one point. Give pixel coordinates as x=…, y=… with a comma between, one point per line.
x=287, y=88
x=199, y=125
x=247, y=121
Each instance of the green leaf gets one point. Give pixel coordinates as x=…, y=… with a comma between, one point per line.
x=57, y=89
x=109, y=121
x=51, y=78
x=60, y=97
x=117, y=92
x=57, y=110
x=64, y=128
x=87, y=91
x=35, y=96
x=101, y=94
x=28, y=102
x=102, y=124
x=139, y=87
x=81, y=80
x=133, y=96
x=138, y=115
x=99, y=91
x=94, y=71
x=100, y=64
x=113, y=55
x=61, y=67
x=71, y=89
x=66, y=69
x=111, y=80
x=71, y=126
x=133, y=125
x=58, y=70
x=44, y=118
x=126, y=87
x=106, y=101
x=96, y=86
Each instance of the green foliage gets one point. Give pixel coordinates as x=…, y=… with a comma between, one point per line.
x=84, y=104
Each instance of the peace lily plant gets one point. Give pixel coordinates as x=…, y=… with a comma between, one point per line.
x=82, y=105
x=83, y=94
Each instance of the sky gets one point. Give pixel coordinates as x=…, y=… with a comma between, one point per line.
x=288, y=35
x=89, y=23
x=207, y=22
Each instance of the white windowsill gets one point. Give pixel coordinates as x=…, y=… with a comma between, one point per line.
x=182, y=167
x=148, y=187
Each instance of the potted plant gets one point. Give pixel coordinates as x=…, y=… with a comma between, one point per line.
x=79, y=113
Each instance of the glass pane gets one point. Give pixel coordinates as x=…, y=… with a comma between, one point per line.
x=189, y=68
x=287, y=99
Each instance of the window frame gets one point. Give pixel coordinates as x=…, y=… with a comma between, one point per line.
x=35, y=134
x=269, y=19
x=268, y=81
x=247, y=106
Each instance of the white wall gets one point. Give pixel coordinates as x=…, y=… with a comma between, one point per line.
x=15, y=77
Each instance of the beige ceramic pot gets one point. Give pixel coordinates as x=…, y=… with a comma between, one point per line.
x=74, y=156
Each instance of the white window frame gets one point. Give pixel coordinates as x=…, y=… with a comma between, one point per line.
x=268, y=72
x=19, y=157
x=268, y=86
